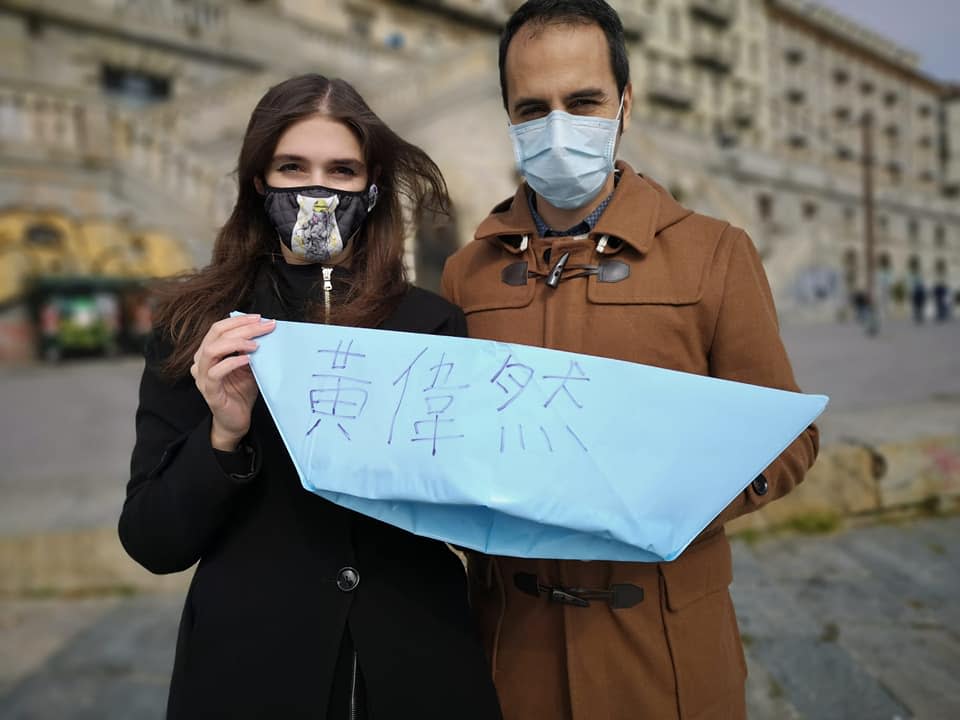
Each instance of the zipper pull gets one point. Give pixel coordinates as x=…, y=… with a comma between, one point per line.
x=327, y=288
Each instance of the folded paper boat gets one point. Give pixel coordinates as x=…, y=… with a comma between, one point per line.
x=517, y=450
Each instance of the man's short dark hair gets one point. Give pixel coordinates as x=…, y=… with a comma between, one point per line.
x=586, y=12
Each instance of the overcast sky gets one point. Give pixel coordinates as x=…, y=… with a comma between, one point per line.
x=930, y=28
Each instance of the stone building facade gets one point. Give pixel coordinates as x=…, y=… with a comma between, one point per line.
x=130, y=112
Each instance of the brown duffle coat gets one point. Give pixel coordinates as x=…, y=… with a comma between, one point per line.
x=696, y=299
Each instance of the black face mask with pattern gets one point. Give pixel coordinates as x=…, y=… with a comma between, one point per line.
x=317, y=223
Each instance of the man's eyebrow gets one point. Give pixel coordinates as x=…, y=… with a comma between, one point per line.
x=529, y=102
x=585, y=94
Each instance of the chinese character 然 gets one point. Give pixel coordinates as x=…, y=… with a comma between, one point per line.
x=513, y=378
x=335, y=396
x=438, y=397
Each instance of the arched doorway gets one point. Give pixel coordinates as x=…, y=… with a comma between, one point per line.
x=436, y=240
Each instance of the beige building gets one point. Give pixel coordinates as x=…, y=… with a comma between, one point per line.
x=131, y=111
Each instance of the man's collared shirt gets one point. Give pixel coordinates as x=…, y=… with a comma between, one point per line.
x=584, y=227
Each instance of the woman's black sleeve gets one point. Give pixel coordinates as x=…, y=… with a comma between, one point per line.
x=455, y=325
x=179, y=492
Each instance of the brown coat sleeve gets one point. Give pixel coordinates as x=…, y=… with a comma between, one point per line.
x=747, y=348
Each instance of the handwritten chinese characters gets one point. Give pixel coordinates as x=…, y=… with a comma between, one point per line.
x=533, y=411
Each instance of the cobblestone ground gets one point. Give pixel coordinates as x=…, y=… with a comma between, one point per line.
x=858, y=624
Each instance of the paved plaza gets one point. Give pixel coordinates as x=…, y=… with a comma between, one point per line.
x=860, y=623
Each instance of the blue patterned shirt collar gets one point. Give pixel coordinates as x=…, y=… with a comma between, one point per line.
x=584, y=227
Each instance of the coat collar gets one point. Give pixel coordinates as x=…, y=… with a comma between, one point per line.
x=639, y=209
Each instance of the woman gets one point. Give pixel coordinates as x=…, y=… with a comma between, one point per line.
x=298, y=608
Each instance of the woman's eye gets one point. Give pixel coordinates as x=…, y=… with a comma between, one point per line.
x=344, y=170
x=288, y=168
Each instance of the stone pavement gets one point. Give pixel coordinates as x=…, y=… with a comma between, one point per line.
x=857, y=624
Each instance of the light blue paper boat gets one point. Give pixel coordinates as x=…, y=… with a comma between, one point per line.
x=516, y=450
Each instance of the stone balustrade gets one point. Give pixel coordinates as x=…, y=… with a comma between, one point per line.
x=54, y=124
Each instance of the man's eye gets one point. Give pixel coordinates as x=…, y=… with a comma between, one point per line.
x=532, y=113
x=583, y=103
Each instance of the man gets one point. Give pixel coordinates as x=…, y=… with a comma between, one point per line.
x=590, y=257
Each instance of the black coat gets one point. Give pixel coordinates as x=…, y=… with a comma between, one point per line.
x=264, y=618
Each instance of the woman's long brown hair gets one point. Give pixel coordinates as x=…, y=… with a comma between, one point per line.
x=190, y=304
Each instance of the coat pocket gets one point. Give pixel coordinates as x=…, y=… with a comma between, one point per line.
x=702, y=633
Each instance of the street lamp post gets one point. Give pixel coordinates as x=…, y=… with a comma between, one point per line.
x=868, y=161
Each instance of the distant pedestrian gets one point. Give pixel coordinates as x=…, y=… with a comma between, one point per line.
x=861, y=306
x=918, y=298
x=941, y=300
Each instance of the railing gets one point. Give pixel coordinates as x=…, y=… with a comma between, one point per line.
x=713, y=51
x=720, y=12
x=400, y=95
x=204, y=21
x=635, y=18
x=672, y=92
x=57, y=123
x=193, y=17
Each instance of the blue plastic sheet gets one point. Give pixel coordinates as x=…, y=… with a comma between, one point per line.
x=517, y=450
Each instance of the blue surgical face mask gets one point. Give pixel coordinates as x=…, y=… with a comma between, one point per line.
x=566, y=158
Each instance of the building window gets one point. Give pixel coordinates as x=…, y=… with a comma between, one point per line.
x=43, y=235
x=395, y=41
x=890, y=98
x=867, y=87
x=755, y=56
x=883, y=222
x=809, y=210
x=674, y=24
x=924, y=110
x=133, y=86
x=940, y=236
x=850, y=258
x=841, y=76
x=765, y=207
x=849, y=213
x=361, y=22
x=793, y=56
x=913, y=230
